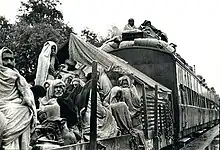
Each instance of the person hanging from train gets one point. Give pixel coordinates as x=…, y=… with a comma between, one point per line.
x=46, y=62
x=104, y=82
x=132, y=100
x=106, y=124
x=17, y=105
x=115, y=102
x=68, y=107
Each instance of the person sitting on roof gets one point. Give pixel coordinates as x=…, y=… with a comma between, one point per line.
x=149, y=30
x=162, y=36
x=130, y=25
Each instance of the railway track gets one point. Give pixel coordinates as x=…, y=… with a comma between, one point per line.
x=204, y=141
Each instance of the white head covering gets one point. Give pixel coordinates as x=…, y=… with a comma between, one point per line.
x=44, y=63
x=52, y=84
x=81, y=83
x=110, y=98
x=2, y=51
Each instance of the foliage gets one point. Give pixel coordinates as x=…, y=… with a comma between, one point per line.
x=38, y=11
x=27, y=42
x=92, y=37
x=38, y=21
x=5, y=27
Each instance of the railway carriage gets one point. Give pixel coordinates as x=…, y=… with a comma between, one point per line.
x=195, y=105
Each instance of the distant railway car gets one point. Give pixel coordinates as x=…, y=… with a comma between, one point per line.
x=194, y=104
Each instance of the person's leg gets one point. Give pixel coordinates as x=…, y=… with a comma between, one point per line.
x=3, y=122
x=13, y=145
x=25, y=139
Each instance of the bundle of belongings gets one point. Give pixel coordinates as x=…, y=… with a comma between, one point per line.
x=145, y=35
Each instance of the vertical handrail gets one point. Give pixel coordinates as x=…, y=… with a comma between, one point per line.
x=145, y=112
x=155, y=140
x=161, y=121
x=93, y=118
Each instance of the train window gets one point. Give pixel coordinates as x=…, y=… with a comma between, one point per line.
x=189, y=96
x=185, y=78
x=194, y=98
x=208, y=103
x=179, y=74
x=189, y=80
x=197, y=88
x=183, y=94
x=205, y=103
x=199, y=101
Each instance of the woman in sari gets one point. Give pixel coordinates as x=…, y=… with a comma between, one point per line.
x=106, y=124
x=16, y=104
x=66, y=102
x=115, y=102
x=104, y=82
x=132, y=100
x=46, y=62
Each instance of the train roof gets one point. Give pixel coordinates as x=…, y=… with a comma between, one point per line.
x=85, y=53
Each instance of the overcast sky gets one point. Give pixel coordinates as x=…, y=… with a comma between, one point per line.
x=192, y=24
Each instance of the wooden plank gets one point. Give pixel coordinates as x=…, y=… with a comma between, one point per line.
x=145, y=113
x=93, y=120
x=156, y=138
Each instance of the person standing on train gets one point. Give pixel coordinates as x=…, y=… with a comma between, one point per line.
x=46, y=62
x=132, y=99
x=17, y=104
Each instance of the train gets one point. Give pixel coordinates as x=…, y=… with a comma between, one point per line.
x=177, y=104
x=195, y=105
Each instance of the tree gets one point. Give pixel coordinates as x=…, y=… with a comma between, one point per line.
x=5, y=27
x=38, y=11
x=92, y=37
x=38, y=21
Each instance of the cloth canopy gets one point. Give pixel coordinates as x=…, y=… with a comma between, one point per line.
x=85, y=53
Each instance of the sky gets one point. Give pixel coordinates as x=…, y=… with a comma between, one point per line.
x=191, y=24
